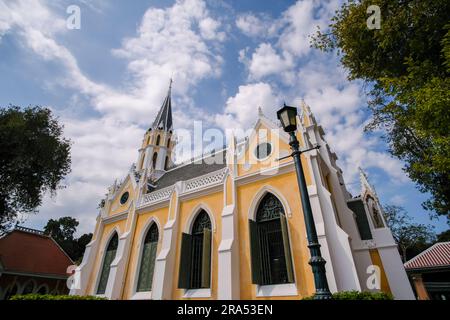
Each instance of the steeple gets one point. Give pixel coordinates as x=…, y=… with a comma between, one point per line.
x=163, y=120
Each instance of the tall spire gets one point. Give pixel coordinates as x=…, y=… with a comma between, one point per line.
x=163, y=120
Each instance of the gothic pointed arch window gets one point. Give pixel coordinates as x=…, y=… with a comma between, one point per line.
x=108, y=258
x=11, y=292
x=166, y=163
x=155, y=157
x=158, y=140
x=148, y=258
x=374, y=213
x=269, y=242
x=168, y=143
x=195, y=261
x=29, y=287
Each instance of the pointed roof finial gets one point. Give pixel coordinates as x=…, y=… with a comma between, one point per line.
x=260, y=112
x=163, y=120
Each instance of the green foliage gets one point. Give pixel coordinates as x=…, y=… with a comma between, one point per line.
x=443, y=236
x=356, y=295
x=406, y=64
x=34, y=158
x=412, y=238
x=34, y=296
x=63, y=230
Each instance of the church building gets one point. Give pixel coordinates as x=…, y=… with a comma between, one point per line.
x=229, y=224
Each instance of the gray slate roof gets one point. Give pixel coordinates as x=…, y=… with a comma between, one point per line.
x=163, y=120
x=192, y=170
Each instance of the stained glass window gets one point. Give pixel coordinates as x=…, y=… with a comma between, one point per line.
x=148, y=258
x=263, y=150
x=269, y=208
x=270, y=249
x=110, y=254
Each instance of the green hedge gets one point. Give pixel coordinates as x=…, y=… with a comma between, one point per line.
x=356, y=295
x=53, y=297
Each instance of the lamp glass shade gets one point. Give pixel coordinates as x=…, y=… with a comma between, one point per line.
x=288, y=117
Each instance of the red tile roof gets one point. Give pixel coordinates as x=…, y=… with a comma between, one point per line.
x=437, y=255
x=30, y=251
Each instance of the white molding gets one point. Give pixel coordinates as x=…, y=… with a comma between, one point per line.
x=116, y=217
x=205, y=181
x=266, y=173
x=277, y=290
x=142, y=296
x=197, y=293
x=194, y=213
x=156, y=197
x=260, y=195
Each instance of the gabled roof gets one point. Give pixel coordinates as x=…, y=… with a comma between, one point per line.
x=29, y=251
x=436, y=256
x=163, y=120
x=195, y=168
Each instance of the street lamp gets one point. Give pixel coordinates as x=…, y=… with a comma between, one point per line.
x=288, y=117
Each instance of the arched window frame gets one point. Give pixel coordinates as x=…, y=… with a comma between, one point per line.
x=158, y=140
x=371, y=206
x=185, y=277
x=114, y=232
x=270, y=290
x=145, y=295
x=166, y=163
x=154, y=159
x=8, y=290
x=26, y=284
x=47, y=290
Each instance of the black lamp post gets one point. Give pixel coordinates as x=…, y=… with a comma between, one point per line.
x=288, y=117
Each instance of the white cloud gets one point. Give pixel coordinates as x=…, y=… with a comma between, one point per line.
x=258, y=26
x=265, y=61
x=241, y=109
x=285, y=57
x=180, y=41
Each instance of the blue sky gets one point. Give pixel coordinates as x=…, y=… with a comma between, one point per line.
x=106, y=81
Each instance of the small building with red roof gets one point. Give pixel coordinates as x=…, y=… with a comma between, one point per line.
x=32, y=262
x=429, y=272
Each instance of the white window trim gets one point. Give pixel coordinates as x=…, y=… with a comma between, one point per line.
x=144, y=295
x=277, y=290
x=197, y=293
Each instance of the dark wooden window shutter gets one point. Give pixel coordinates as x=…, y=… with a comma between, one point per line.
x=287, y=249
x=206, y=258
x=184, y=277
x=255, y=252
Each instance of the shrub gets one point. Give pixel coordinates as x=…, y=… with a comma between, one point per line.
x=53, y=297
x=356, y=295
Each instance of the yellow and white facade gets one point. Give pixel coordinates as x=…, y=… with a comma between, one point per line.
x=228, y=188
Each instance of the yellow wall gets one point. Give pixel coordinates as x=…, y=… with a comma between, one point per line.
x=246, y=195
x=116, y=207
x=376, y=260
x=187, y=208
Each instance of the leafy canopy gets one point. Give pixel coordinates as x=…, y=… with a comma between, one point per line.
x=34, y=159
x=406, y=64
x=63, y=230
x=412, y=238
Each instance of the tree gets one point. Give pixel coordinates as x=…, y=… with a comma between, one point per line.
x=406, y=66
x=62, y=231
x=443, y=236
x=412, y=238
x=34, y=158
